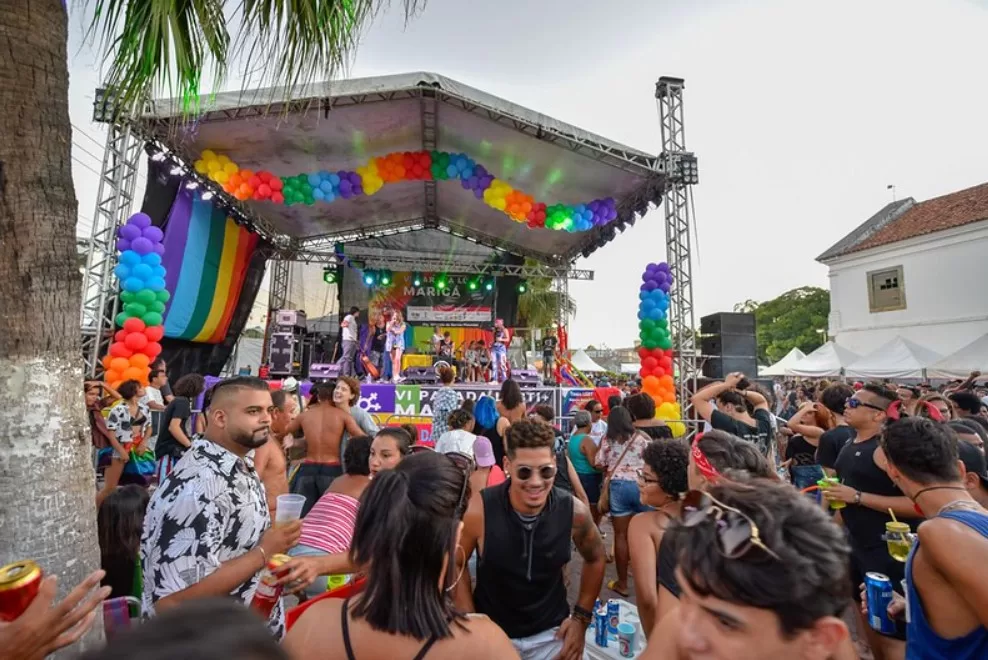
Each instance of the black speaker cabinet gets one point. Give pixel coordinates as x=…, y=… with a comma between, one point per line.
x=719, y=367
x=727, y=323
x=729, y=344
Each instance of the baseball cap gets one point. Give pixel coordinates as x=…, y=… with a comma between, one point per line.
x=483, y=452
x=973, y=460
x=289, y=384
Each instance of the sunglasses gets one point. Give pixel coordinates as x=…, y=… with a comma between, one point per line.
x=524, y=472
x=858, y=403
x=597, y=411
x=736, y=532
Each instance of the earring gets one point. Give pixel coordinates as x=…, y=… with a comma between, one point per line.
x=460, y=574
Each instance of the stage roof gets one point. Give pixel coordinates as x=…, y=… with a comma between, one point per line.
x=341, y=125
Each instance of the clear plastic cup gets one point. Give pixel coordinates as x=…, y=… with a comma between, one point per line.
x=289, y=508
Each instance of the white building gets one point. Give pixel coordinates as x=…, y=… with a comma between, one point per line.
x=915, y=269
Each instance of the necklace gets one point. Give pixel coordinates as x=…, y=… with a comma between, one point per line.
x=926, y=490
x=958, y=504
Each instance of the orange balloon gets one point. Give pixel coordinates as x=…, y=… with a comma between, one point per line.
x=112, y=376
x=650, y=384
x=115, y=383
x=107, y=359
x=140, y=360
x=119, y=364
x=235, y=180
x=667, y=381
x=133, y=373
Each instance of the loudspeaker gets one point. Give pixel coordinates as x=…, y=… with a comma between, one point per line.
x=285, y=354
x=719, y=367
x=727, y=323
x=526, y=378
x=729, y=344
x=421, y=376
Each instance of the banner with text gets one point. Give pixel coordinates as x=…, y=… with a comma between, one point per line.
x=453, y=304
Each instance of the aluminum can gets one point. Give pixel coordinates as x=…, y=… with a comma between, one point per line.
x=19, y=584
x=600, y=626
x=878, y=591
x=267, y=593
x=613, y=616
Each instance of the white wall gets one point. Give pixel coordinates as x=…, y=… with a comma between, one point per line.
x=946, y=300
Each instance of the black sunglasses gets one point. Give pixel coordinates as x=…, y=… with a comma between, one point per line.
x=736, y=532
x=858, y=403
x=546, y=472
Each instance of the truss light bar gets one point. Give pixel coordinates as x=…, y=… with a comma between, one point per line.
x=385, y=278
x=489, y=284
x=329, y=275
x=370, y=278
x=522, y=287
x=441, y=280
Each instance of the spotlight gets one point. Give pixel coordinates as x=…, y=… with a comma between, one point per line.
x=416, y=279
x=208, y=195
x=489, y=284
x=522, y=287
x=440, y=281
x=473, y=284
x=370, y=278
x=385, y=278
x=329, y=275
x=192, y=185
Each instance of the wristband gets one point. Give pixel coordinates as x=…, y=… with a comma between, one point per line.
x=583, y=616
x=857, y=497
x=264, y=555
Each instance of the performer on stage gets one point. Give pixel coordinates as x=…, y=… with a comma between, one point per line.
x=437, y=341
x=500, y=351
x=396, y=344
x=351, y=333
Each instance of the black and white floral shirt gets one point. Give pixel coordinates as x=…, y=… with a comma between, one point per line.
x=208, y=510
x=123, y=425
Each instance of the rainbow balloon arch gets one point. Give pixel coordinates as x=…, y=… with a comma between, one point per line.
x=656, y=352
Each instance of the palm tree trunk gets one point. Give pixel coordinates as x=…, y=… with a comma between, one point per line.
x=47, y=485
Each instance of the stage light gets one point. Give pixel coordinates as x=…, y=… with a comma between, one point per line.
x=416, y=279
x=370, y=278
x=329, y=275
x=176, y=170
x=158, y=157
x=192, y=185
x=489, y=284
x=473, y=283
x=385, y=278
x=208, y=195
x=440, y=281
x=523, y=287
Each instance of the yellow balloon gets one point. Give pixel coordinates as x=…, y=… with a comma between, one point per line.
x=230, y=168
x=678, y=429
x=213, y=165
x=221, y=176
x=200, y=166
x=208, y=154
x=223, y=159
x=499, y=204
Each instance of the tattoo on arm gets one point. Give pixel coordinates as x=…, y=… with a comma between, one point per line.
x=586, y=536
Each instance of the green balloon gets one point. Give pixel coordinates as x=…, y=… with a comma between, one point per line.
x=145, y=297
x=662, y=323
x=649, y=343
x=121, y=318
x=162, y=295
x=135, y=309
x=152, y=318
x=126, y=297
x=665, y=344
x=646, y=325
x=158, y=307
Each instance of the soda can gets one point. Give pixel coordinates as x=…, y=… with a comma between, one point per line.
x=878, y=591
x=600, y=626
x=19, y=583
x=267, y=593
x=626, y=640
x=613, y=616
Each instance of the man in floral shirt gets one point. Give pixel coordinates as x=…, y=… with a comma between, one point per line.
x=206, y=532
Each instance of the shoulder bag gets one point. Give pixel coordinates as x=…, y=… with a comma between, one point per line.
x=604, y=502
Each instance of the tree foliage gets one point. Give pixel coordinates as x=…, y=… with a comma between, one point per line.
x=796, y=319
x=539, y=306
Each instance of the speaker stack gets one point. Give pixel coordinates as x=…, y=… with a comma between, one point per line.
x=285, y=353
x=728, y=344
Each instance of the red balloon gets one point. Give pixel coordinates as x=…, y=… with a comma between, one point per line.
x=254, y=181
x=154, y=332
x=120, y=335
x=666, y=363
x=118, y=349
x=264, y=191
x=136, y=341
x=277, y=197
x=276, y=183
x=153, y=349
x=134, y=325
x=650, y=363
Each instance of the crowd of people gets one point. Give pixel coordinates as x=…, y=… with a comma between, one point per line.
x=754, y=537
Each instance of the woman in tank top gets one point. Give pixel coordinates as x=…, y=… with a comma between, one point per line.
x=405, y=610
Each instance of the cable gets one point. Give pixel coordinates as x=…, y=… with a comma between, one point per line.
x=86, y=166
x=94, y=140
x=696, y=232
x=85, y=151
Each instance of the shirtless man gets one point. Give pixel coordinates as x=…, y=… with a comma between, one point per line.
x=323, y=426
x=269, y=460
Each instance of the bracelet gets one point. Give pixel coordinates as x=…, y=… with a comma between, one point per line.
x=264, y=555
x=857, y=497
x=583, y=616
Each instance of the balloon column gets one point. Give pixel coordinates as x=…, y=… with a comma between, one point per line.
x=325, y=186
x=143, y=297
x=656, y=345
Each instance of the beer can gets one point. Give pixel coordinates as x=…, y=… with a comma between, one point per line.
x=626, y=640
x=19, y=584
x=878, y=591
x=267, y=593
x=613, y=616
x=600, y=626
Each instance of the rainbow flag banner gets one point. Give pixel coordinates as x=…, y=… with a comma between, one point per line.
x=206, y=258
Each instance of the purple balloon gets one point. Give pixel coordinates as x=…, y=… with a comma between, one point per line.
x=358, y=190
x=123, y=245
x=354, y=179
x=664, y=267
x=480, y=172
x=345, y=187
x=153, y=234
x=142, y=245
x=130, y=232
x=478, y=193
x=650, y=286
x=159, y=249
x=666, y=286
x=140, y=220
x=345, y=194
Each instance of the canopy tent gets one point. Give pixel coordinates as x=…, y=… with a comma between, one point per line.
x=630, y=367
x=584, y=362
x=779, y=368
x=960, y=363
x=897, y=358
x=826, y=361
x=340, y=125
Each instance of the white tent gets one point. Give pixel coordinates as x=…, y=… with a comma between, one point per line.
x=826, y=361
x=779, y=368
x=584, y=363
x=630, y=367
x=960, y=363
x=898, y=358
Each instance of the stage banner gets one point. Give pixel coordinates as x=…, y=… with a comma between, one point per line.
x=575, y=399
x=427, y=304
x=391, y=405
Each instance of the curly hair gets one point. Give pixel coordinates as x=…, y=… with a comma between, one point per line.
x=670, y=461
x=528, y=435
x=458, y=419
x=641, y=406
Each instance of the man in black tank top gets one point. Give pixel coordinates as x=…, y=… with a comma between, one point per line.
x=868, y=494
x=521, y=531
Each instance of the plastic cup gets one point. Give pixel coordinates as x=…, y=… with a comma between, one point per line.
x=827, y=482
x=898, y=540
x=289, y=508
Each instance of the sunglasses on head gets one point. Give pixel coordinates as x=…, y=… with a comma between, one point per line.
x=853, y=403
x=736, y=532
x=525, y=472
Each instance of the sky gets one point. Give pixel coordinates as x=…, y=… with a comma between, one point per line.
x=800, y=113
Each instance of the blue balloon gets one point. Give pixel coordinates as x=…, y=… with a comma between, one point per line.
x=156, y=284
x=641, y=315
x=130, y=258
x=324, y=174
x=643, y=295
x=655, y=314
x=122, y=271
x=314, y=180
x=326, y=186
x=158, y=271
x=451, y=169
x=647, y=304
x=133, y=284
x=141, y=271
x=317, y=193
x=467, y=172
x=335, y=180
x=152, y=259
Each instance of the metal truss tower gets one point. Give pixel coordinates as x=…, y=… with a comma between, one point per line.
x=681, y=172
x=114, y=202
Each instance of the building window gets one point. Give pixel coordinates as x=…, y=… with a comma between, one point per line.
x=886, y=290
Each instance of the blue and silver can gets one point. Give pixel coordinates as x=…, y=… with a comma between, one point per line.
x=613, y=616
x=600, y=626
x=878, y=591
